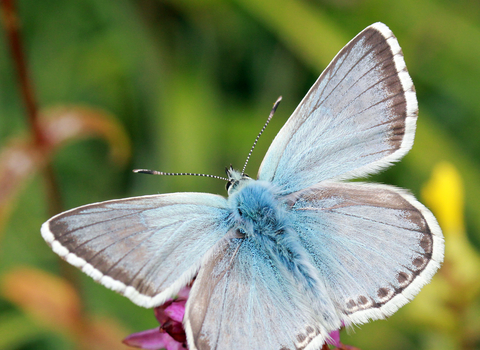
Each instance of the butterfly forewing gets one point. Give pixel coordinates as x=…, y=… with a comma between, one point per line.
x=374, y=246
x=145, y=247
x=356, y=119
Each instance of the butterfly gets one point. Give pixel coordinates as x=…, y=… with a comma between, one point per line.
x=296, y=253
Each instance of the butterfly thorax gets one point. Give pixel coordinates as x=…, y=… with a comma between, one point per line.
x=256, y=210
x=261, y=217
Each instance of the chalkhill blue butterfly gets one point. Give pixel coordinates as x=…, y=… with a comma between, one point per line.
x=296, y=253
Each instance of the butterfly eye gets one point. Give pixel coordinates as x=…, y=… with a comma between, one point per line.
x=227, y=185
x=240, y=233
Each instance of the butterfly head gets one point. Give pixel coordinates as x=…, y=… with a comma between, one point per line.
x=236, y=179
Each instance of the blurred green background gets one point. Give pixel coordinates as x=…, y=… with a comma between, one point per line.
x=185, y=86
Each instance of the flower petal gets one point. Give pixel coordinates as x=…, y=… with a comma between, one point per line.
x=151, y=339
x=176, y=310
x=175, y=330
x=160, y=314
x=334, y=338
x=184, y=292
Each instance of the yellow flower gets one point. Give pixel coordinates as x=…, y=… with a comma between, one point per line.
x=447, y=303
x=444, y=194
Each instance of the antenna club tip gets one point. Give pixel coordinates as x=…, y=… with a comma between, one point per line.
x=274, y=108
x=146, y=171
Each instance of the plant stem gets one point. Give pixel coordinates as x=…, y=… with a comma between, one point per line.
x=39, y=139
x=11, y=23
x=12, y=27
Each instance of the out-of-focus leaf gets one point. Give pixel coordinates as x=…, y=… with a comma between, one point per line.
x=17, y=329
x=104, y=334
x=68, y=123
x=190, y=142
x=47, y=298
x=299, y=25
x=55, y=305
x=303, y=27
x=21, y=157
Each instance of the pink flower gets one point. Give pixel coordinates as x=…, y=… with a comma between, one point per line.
x=335, y=338
x=153, y=339
x=335, y=341
x=170, y=335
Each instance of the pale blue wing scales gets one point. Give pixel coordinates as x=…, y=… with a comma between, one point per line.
x=358, y=117
x=242, y=301
x=375, y=246
x=146, y=248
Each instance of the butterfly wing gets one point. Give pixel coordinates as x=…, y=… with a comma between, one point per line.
x=146, y=248
x=358, y=117
x=375, y=246
x=241, y=300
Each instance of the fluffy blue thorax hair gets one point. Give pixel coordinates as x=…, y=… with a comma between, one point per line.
x=262, y=218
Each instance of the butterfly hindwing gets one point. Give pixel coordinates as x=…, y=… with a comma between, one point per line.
x=358, y=117
x=243, y=300
x=147, y=247
x=375, y=246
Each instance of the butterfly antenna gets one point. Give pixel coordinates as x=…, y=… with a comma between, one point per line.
x=155, y=172
x=272, y=112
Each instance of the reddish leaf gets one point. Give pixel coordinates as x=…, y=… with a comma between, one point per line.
x=21, y=157
x=67, y=123
x=53, y=303
x=47, y=298
x=17, y=162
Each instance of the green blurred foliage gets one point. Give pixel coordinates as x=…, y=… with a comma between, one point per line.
x=192, y=83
